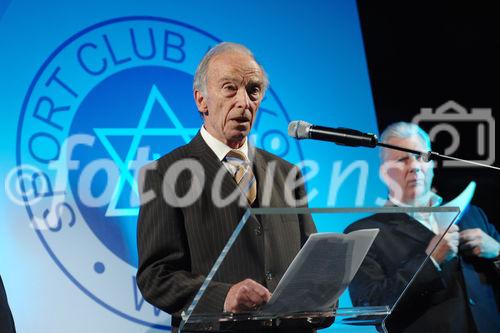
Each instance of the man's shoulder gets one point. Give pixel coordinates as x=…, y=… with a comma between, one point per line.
x=164, y=162
x=373, y=221
x=473, y=216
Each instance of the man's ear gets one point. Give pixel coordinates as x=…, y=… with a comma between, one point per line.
x=392, y=185
x=201, y=102
x=382, y=172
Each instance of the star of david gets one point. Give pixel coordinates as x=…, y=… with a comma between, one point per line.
x=137, y=133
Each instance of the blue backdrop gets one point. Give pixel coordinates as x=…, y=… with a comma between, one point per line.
x=116, y=78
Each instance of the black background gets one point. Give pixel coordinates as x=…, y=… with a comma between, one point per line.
x=424, y=54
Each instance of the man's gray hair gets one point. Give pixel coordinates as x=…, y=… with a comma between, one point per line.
x=200, y=77
x=403, y=130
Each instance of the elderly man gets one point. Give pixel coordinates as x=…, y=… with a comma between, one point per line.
x=179, y=243
x=458, y=289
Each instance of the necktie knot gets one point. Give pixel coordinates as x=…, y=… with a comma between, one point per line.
x=236, y=157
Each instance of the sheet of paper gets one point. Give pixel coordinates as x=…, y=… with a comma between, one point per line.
x=461, y=201
x=320, y=272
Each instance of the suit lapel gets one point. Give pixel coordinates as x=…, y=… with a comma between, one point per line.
x=260, y=170
x=211, y=164
x=411, y=228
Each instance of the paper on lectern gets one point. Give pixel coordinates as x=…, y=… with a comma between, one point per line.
x=320, y=272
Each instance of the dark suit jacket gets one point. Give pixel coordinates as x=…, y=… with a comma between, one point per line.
x=179, y=245
x=6, y=321
x=437, y=301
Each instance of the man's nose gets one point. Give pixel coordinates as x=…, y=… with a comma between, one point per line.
x=243, y=100
x=415, y=164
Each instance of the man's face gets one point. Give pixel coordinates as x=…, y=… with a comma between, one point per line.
x=408, y=177
x=235, y=88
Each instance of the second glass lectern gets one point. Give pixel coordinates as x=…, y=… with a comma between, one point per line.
x=347, y=277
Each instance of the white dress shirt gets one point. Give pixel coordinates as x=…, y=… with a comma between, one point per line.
x=428, y=220
x=221, y=149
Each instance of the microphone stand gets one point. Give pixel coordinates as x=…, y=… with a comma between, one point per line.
x=348, y=137
x=431, y=155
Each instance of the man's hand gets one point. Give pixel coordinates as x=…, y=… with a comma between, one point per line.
x=447, y=248
x=246, y=295
x=477, y=243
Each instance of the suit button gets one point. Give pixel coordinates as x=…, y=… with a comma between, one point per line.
x=471, y=301
x=269, y=276
x=258, y=231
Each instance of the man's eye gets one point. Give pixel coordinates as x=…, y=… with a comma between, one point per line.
x=419, y=158
x=254, y=90
x=230, y=87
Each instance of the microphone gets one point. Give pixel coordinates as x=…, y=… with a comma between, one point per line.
x=342, y=136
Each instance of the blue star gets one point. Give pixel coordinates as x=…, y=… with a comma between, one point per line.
x=126, y=176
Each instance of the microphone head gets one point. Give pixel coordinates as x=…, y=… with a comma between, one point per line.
x=299, y=129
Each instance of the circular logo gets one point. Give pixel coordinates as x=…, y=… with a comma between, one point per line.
x=110, y=99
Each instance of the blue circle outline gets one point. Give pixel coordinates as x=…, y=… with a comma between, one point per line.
x=19, y=136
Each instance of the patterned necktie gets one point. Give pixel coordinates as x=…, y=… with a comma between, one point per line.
x=244, y=176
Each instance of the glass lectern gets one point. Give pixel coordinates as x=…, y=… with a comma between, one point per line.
x=338, y=281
